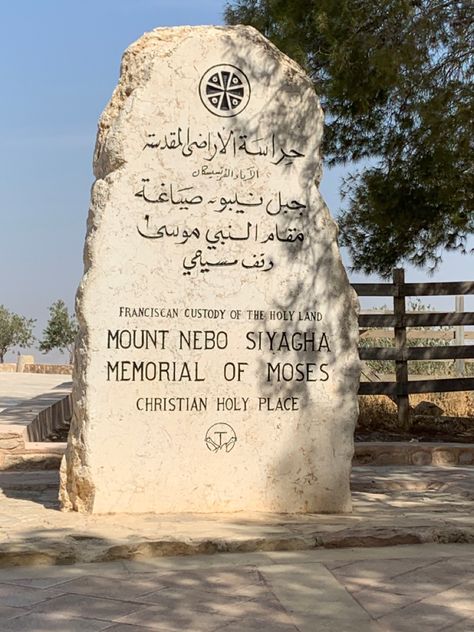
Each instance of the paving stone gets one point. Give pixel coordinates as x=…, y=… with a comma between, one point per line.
x=51, y=623
x=378, y=603
x=466, y=625
x=71, y=605
x=421, y=616
x=125, y=627
x=295, y=590
x=381, y=568
x=24, y=597
x=318, y=623
x=332, y=566
x=207, y=601
x=421, y=583
x=39, y=582
x=371, y=574
x=241, y=582
x=259, y=625
x=460, y=597
x=8, y=612
x=166, y=565
x=466, y=564
x=348, y=556
x=312, y=589
x=177, y=620
x=265, y=609
x=61, y=573
x=122, y=589
x=172, y=600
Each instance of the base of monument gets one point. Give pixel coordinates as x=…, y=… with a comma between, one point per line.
x=119, y=502
x=401, y=515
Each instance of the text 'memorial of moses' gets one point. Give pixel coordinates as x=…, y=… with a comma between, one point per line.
x=217, y=367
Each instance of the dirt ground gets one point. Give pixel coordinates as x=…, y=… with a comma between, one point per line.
x=453, y=423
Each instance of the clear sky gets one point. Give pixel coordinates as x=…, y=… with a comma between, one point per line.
x=59, y=64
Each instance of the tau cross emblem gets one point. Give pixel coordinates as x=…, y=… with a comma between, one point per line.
x=220, y=437
x=224, y=90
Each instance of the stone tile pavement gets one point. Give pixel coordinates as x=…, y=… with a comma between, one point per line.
x=390, y=589
x=16, y=388
x=307, y=588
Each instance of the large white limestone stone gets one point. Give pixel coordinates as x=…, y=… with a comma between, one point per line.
x=217, y=365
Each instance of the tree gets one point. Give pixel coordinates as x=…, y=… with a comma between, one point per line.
x=61, y=330
x=15, y=331
x=394, y=79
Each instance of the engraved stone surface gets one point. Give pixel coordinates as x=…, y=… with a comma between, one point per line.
x=217, y=365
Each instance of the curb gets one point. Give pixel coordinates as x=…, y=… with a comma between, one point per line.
x=74, y=549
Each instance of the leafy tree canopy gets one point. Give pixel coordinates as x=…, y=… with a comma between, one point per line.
x=15, y=331
x=395, y=81
x=61, y=330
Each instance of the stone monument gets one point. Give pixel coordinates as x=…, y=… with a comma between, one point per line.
x=217, y=366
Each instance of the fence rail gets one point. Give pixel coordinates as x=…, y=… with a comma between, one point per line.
x=412, y=387
x=401, y=354
x=417, y=353
x=418, y=335
x=438, y=319
x=448, y=288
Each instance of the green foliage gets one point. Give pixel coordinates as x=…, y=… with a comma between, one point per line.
x=416, y=367
x=61, y=330
x=15, y=331
x=395, y=81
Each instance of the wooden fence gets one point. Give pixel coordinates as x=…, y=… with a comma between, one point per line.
x=401, y=353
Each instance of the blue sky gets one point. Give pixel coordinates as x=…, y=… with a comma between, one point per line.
x=59, y=64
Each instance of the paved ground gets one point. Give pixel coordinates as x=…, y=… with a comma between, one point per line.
x=392, y=505
x=394, y=589
x=305, y=589
x=16, y=388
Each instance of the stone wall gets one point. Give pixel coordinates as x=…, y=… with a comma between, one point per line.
x=407, y=453
x=50, y=369
x=25, y=427
x=27, y=364
x=8, y=367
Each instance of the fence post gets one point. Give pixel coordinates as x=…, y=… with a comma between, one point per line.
x=459, y=335
x=401, y=364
